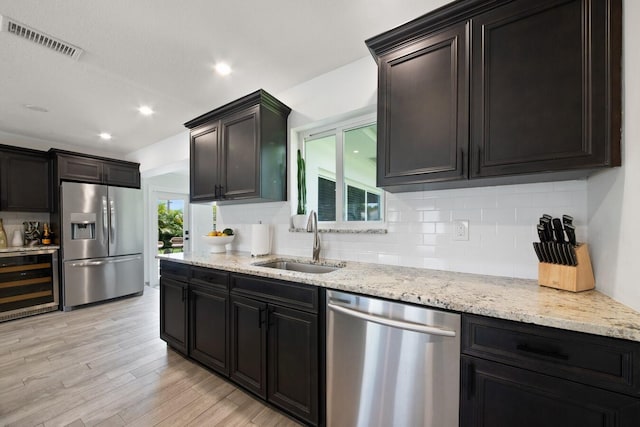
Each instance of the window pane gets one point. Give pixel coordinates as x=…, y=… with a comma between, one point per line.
x=359, y=156
x=326, y=200
x=355, y=204
x=373, y=207
x=320, y=159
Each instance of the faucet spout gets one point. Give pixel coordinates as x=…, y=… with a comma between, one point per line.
x=312, y=226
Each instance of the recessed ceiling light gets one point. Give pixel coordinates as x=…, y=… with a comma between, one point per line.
x=223, y=68
x=355, y=151
x=106, y=136
x=145, y=110
x=36, y=108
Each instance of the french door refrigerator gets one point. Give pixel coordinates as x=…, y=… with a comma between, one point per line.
x=101, y=236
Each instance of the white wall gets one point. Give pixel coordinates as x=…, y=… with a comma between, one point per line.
x=168, y=155
x=614, y=205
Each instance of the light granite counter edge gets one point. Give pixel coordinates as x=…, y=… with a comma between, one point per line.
x=498, y=297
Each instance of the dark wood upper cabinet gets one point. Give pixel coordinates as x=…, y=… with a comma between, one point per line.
x=542, y=90
x=497, y=91
x=79, y=167
x=239, y=151
x=204, y=154
x=422, y=110
x=24, y=180
x=121, y=174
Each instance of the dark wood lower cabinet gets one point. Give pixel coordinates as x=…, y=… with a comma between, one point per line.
x=173, y=313
x=293, y=361
x=248, y=344
x=498, y=395
x=208, y=328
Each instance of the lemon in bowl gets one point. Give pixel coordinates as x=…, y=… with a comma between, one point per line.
x=218, y=240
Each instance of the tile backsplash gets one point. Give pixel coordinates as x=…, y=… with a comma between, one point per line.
x=420, y=230
x=13, y=221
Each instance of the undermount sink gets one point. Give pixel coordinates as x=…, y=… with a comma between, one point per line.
x=301, y=267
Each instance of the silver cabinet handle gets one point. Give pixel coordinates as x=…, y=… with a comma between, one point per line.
x=410, y=326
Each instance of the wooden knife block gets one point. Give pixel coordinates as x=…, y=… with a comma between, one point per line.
x=569, y=278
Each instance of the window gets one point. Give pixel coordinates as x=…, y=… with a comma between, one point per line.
x=341, y=173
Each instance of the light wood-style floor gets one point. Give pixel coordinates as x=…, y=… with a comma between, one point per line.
x=106, y=365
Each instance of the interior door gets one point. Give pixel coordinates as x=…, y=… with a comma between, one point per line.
x=125, y=221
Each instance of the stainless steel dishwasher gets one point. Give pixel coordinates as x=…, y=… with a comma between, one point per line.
x=391, y=364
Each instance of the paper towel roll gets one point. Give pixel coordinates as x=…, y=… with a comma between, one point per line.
x=260, y=239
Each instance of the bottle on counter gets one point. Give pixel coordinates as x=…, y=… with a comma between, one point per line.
x=46, y=235
x=3, y=236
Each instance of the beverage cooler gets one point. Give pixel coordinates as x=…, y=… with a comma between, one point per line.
x=28, y=283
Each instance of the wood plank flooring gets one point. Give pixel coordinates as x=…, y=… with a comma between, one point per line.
x=106, y=366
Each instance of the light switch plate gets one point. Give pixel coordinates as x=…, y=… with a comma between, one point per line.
x=461, y=229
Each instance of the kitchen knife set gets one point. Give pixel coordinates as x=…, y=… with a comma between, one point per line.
x=557, y=243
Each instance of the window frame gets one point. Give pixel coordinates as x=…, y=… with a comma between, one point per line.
x=339, y=128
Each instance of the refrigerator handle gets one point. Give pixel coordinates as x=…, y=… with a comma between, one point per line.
x=112, y=222
x=105, y=219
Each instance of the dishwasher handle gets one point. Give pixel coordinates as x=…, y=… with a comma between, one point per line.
x=400, y=324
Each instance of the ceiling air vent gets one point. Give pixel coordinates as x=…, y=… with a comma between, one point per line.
x=11, y=26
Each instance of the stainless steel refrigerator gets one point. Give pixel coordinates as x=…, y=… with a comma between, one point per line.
x=101, y=236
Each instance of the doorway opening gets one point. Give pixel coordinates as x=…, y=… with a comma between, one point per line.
x=170, y=226
x=171, y=234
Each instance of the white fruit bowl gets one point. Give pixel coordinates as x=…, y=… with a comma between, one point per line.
x=218, y=243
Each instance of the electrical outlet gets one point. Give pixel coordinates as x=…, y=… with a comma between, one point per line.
x=461, y=229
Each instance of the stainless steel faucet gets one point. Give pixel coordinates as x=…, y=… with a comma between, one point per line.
x=312, y=226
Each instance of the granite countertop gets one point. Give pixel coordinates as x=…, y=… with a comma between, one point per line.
x=28, y=248
x=500, y=297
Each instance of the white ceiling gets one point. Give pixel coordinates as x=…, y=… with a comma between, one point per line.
x=161, y=53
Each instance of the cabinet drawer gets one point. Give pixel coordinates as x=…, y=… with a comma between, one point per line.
x=595, y=360
x=174, y=270
x=283, y=293
x=208, y=277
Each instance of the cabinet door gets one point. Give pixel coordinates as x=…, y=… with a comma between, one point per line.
x=121, y=174
x=542, y=97
x=497, y=395
x=25, y=183
x=241, y=153
x=204, y=162
x=422, y=110
x=81, y=169
x=208, y=328
x=173, y=313
x=293, y=362
x=249, y=344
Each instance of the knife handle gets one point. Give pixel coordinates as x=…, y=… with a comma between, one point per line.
x=571, y=233
x=567, y=219
x=541, y=233
x=558, y=231
x=546, y=223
